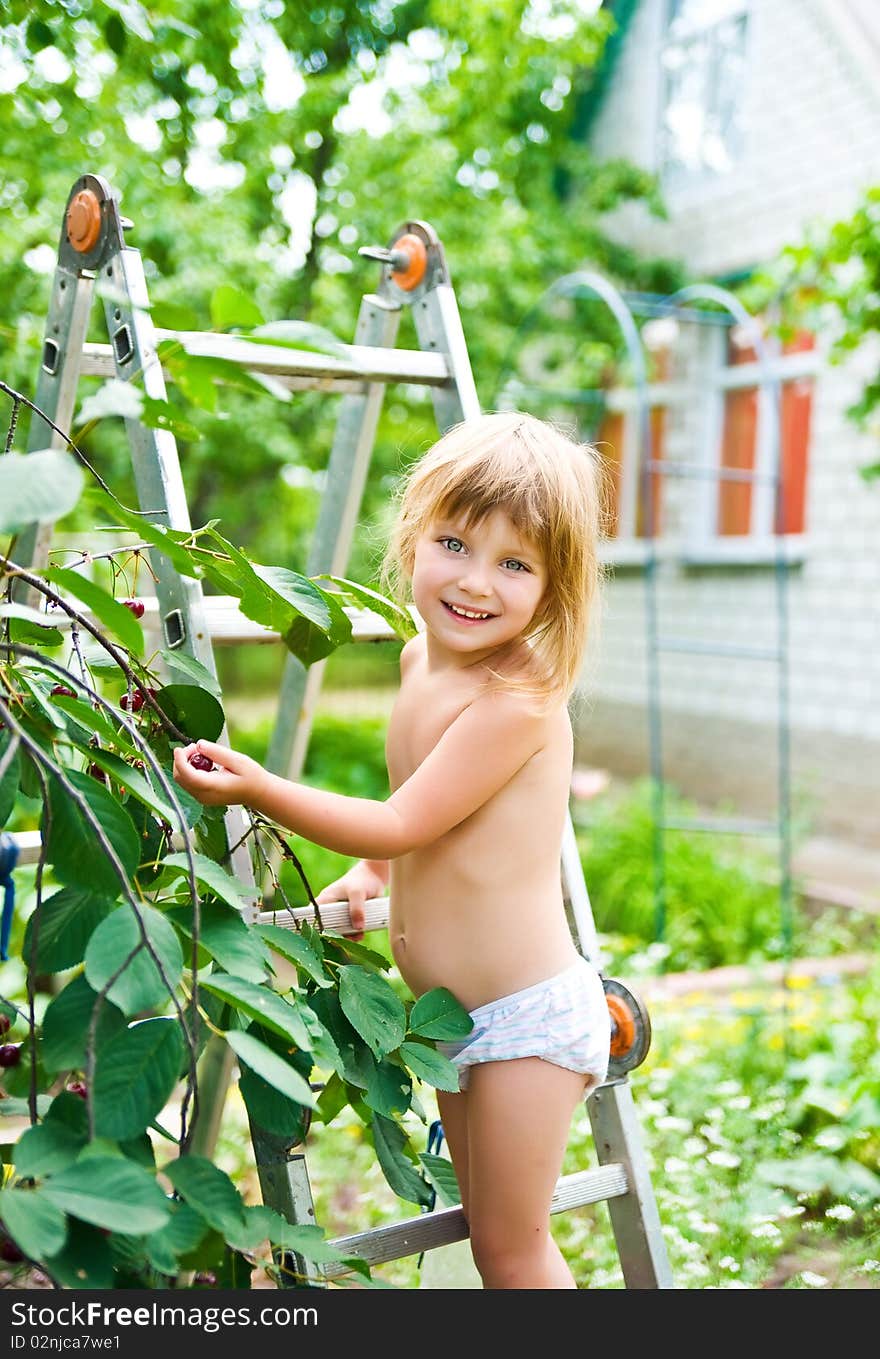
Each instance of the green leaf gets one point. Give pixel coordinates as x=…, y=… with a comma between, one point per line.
x=193, y=710
x=173, y=316
x=191, y=670
x=307, y=1239
x=373, y=1008
x=389, y=1089
x=437, y=1014
x=298, y=335
x=35, y=1223
x=115, y=617
x=357, y=952
x=441, y=1172
x=266, y=1106
x=22, y=611
x=430, y=1065
x=209, y=1191
x=73, y=849
x=401, y=620
x=390, y=1141
x=296, y=949
x=66, y=1023
x=112, y=1192
x=46, y=1148
x=85, y=1260
x=37, y=488
x=9, y=781
x=63, y=926
x=273, y=1069
x=168, y=541
x=133, y=781
x=213, y=877
x=140, y=986
x=355, y=1057
x=231, y=307
x=262, y=1004
x=227, y=938
x=135, y=1073
x=158, y=414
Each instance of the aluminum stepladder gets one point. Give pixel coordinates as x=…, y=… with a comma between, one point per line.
x=414, y=274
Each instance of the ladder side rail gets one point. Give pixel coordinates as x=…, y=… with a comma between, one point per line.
x=635, y=1219
x=161, y=493
x=378, y=322
x=69, y=311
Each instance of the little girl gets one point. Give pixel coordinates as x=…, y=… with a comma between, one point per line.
x=497, y=533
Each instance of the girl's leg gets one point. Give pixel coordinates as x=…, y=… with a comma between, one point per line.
x=453, y=1116
x=519, y=1116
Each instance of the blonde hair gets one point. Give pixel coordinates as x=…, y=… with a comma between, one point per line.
x=551, y=489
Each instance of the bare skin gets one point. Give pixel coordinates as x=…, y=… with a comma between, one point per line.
x=470, y=842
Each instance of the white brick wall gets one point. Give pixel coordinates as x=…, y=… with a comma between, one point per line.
x=812, y=145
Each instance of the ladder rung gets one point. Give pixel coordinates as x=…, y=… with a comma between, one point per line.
x=334, y=916
x=674, y=468
x=28, y=846
x=441, y=1228
x=746, y=653
x=351, y=363
x=724, y=826
x=228, y=625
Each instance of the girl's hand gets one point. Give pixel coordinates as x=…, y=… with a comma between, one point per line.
x=359, y=883
x=235, y=778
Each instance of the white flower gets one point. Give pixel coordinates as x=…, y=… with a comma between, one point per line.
x=841, y=1211
x=728, y=1262
x=813, y=1280
x=767, y=1229
x=724, y=1158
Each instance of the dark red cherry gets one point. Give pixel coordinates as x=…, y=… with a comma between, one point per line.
x=136, y=606
x=200, y=761
x=77, y=1088
x=97, y=773
x=10, y=1054
x=9, y=1251
x=5, y=1023
x=62, y=691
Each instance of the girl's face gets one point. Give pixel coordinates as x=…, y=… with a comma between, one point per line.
x=476, y=588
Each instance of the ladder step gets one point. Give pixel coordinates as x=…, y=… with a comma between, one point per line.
x=691, y=645
x=441, y=1228
x=724, y=826
x=228, y=626
x=348, y=368
x=334, y=916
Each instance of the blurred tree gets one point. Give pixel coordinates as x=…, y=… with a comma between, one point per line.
x=260, y=143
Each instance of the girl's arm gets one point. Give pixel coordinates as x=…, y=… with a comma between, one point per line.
x=476, y=756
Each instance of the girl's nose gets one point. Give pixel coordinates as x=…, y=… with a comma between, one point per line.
x=475, y=579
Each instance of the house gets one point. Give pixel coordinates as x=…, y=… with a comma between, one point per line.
x=762, y=118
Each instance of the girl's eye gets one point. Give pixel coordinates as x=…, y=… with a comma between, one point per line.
x=520, y=566
x=449, y=541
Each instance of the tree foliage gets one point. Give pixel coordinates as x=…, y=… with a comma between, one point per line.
x=261, y=145
x=138, y=915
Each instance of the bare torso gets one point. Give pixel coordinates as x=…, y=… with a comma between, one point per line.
x=479, y=911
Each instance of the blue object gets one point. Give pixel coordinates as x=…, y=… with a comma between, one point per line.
x=8, y=860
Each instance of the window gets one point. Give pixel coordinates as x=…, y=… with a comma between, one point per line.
x=704, y=63
x=709, y=415
x=617, y=440
x=747, y=506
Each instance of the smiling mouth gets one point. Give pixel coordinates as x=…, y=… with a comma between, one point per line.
x=467, y=615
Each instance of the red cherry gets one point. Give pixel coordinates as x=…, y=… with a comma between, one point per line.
x=10, y=1252
x=62, y=691
x=136, y=606
x=137, y=701
x=98, y=773
x=200, y=761
x=5, y=1023
x=77, y=1088
x=10, y=1054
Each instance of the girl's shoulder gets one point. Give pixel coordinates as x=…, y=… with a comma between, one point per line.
x=411, y=650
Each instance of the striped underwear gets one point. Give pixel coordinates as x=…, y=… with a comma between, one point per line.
x=563, y=1020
